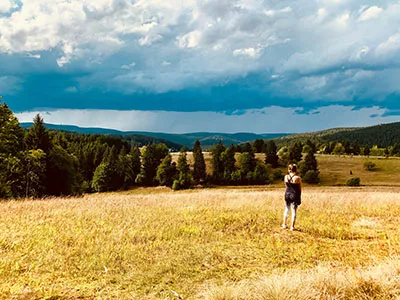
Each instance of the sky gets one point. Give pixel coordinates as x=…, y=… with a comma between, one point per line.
x=263, y=66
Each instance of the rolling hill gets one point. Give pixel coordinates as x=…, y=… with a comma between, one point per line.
x=207, y=139
x=382, y=134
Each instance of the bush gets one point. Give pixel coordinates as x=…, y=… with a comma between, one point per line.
x=277, y=175
x=355, y=181
x=176, y=185
x=369, y=166
x=311, y=176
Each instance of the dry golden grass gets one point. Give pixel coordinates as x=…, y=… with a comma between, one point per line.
x=202, y=244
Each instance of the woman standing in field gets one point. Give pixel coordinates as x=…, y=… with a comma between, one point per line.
x=292, y=194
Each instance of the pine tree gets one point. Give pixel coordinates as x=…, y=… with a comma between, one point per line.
x=199, y=165
x=259, y=146
x=166, y=171
x=185, y=179
x=217, y=164
x=38, y=136
x=11, y=133
x=271, y=156
x=11, y=157
x=149, y=166
x=133, y=165
x=295, y=152
x=228, y=160
x=309, y=168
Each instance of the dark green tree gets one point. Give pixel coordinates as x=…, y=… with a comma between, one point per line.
x=199, y=165
x=259, y=146
x=35, y=173
x=217, y=163
x=166, y=171
x=133, y=166
x=367, y=150
x=309, y=168
x=356, y=148
x=11, y=157
x=38, y=136
x=295, y=152
x=62, y=173
x=271, y=156
x=185, y=179
x=149, y=166
x=228, y=160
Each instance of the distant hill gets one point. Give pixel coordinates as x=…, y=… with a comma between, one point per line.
x=207, y=139
x=382, y=134
x=134, y=139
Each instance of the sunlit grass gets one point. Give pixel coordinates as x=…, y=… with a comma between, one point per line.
x=200, y=243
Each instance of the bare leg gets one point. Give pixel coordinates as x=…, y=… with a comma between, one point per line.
x=294, y=211
x=285, y=215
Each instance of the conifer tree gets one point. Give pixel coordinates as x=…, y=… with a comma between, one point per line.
x=217, y=163
x=149, y=166
x=228, y=160
x=185, y=179
x=295, y=152
x=271, y=156
x=166, y=171
x=11, y=160
x=199, y=165
x=309, y=168
x=38, y=136
x=133, y=165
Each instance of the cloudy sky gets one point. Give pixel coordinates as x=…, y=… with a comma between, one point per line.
x=202, y=65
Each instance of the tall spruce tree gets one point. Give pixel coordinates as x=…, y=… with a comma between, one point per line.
x=11, y=158
x=228, y=160
x=271, y=156
x=295, y=152
x=166, y=171
x=185, y=179
x=38, y=136
x=149, y=166
x=217, y=163
x=309, y=167
x=199, y=165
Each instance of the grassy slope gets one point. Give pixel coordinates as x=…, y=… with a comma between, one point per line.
x=335, y=170
x=200, y=244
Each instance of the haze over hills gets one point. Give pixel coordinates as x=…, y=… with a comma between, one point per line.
x=207, y=139
x=381, y=134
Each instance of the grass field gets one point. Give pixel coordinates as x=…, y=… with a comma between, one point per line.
x=202, y=244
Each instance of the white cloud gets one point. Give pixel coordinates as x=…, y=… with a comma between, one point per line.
x=209, y=41
x=371, y=13
x=128, y=67
x=6, y=5
x=250, y=52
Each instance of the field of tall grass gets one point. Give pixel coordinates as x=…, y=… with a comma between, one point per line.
x=202, y=244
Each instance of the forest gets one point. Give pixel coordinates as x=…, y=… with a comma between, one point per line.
x=38, y=162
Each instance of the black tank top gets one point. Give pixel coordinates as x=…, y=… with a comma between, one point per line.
x=293, y=191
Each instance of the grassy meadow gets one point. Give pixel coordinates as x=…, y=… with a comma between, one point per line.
x=202, y=244
x=221, y=243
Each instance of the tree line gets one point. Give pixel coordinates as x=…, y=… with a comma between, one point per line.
x=40, y=162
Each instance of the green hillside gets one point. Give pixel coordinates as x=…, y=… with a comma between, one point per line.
x=383, y=135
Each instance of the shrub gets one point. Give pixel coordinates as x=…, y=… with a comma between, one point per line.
x=277, y=175
x=311, y=176
x=355, y=181
x=369, y=166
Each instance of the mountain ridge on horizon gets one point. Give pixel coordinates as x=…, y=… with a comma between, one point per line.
x=207, y=139
x=382, y=134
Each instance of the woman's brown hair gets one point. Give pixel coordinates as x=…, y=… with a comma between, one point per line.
x=292, y=168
